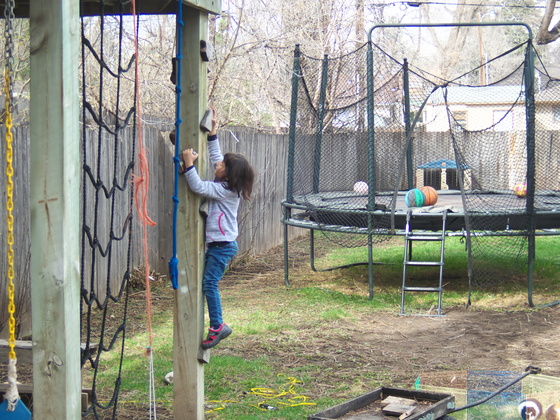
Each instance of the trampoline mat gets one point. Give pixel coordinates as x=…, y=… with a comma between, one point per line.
x=505, y=210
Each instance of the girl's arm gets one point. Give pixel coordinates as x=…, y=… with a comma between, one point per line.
x=210, y=189
x=214, y=124
x=214, y=150
x=214, y=190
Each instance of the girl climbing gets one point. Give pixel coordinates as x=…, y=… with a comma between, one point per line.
x=233, y=180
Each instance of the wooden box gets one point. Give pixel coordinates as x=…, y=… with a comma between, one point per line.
x=430, y=406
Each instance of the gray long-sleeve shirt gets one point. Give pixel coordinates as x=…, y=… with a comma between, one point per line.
x=221, y=224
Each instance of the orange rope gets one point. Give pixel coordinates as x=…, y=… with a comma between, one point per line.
x=141, y=185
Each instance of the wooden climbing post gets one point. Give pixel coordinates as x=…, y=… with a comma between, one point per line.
x=189, y=329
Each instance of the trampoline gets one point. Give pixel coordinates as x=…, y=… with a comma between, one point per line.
x=371, y=116
x=344, y=210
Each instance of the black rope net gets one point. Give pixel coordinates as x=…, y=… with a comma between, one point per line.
x=468, y=136
x=108, y=122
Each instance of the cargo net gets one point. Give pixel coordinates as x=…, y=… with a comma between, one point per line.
x=109, y=115
x=467, y=137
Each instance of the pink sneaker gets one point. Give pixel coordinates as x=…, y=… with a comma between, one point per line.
x=215, y=335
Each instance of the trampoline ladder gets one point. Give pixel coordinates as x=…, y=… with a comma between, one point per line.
x=422, y=236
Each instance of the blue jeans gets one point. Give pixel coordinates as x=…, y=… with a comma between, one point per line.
x=215, y=264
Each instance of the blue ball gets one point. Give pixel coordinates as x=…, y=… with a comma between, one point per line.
x=414, y=198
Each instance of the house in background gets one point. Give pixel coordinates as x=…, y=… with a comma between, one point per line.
x=494, y=108
x=547, y=103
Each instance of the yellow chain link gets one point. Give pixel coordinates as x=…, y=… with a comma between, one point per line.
x=9, y=217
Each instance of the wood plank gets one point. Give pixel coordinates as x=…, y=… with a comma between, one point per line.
x=164, y=191
x=24, y=351
x=348, y=406
x=408, y=413
x=391, y=399
x=26, y=390
x=55, y=197
x=396, y=409
x=188, y=370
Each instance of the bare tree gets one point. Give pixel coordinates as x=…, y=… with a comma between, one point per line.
x=546, y=35
x=250, y=78
x=453, y=48
x=461, y=49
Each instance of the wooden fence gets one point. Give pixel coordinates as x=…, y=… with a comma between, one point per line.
x=260, y=219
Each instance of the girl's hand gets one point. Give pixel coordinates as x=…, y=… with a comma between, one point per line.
x=188, y=156
x=214, y=123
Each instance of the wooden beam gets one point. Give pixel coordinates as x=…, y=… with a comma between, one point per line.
x=24, y=351
x=188, y=369
x=55, y=226
x=210, y=6
x=145, y=7
x=26, y=394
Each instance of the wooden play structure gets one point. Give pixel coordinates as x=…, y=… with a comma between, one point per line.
x=55, y=196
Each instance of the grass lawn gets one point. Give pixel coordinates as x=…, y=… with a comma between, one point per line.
x=298, y=350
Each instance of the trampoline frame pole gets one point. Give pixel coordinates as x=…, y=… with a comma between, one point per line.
x=529, y=81
x=291, y=155
x=371, y=161
x=407, y=125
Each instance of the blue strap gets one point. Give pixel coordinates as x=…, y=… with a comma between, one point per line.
x=174, y=261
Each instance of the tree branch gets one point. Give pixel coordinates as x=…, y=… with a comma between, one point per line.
x=545, y=36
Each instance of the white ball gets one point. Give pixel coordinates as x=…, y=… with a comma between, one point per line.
x=361, y=187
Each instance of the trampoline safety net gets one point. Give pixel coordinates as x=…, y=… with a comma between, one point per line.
x=368, y=126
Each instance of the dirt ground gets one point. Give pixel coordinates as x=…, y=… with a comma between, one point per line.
x=502, y=339
x=463, y=339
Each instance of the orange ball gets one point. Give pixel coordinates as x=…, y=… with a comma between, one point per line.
x=431, y=195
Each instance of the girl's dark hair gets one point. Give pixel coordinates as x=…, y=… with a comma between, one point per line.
x=239, y=174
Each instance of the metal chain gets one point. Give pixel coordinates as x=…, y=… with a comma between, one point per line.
x=9, y=46
x=9, y=15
